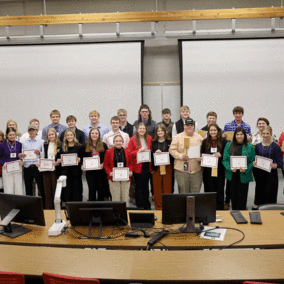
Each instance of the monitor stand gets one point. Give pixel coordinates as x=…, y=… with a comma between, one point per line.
x=97, y=215
x=14, y=230
x=190, y=217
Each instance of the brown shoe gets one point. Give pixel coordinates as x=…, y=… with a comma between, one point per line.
x=227, y=206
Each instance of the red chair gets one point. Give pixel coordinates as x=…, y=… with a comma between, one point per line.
x=49, y=278
x=11, y=278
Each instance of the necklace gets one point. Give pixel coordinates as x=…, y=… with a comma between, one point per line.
x=11, y=146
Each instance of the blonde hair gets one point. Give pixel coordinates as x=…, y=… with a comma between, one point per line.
x=138, y=142
x=56, y=139
x=94, y=112
x=121, y=110
x=16, y=129
x=55, y=112
x=99, y=144
x=269, y=128
x=65, y=142
x=2, y=136
x=184, y=108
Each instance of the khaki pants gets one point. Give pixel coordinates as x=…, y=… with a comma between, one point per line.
x=119, y=191
x=189, y=183
x=13, y=183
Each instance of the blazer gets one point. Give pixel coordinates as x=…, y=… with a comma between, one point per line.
x=246, y=151
x=109, y=162
x=137, y=168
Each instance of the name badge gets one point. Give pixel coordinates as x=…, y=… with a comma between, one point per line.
x=214, y=150
x=120, y=165
x=13, y=155
x=185, y=166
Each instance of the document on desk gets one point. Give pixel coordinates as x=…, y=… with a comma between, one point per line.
x=214, y=234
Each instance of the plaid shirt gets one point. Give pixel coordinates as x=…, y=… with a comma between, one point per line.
x=232, y=126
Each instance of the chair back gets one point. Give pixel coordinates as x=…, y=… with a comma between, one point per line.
x=49, y=278
x=11, y=278
x=271, y=207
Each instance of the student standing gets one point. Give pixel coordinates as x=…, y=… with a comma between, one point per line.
x=239, y=178
x=139, y=143
x=26, y=135
x=211, y=119
x=166, y=114
x=9, y=152
x=162, y=179
x=266, y=189
x=96, y=179
x=73, y=191
x=13, y=124
x=125, y=126
x=214, y=145
x=50, y=149
x=118, y=157
x=55, y=119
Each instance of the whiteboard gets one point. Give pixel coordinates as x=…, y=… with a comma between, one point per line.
x=73, y=78
x=221, y=74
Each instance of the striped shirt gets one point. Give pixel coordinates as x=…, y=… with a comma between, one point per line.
x=232, y=126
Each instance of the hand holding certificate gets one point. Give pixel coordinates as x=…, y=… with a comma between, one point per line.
x=209, y=161
x=69, y=160
x=238, y=162
x=162, y=159
x=46, y=165
x=13, y=167
x=193, y=152
x=143, y=157
x=263, y=163
x=120, y=174
x=30, y=155
x=92, y=163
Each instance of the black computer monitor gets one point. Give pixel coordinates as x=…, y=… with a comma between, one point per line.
x=178, y=208
x=96, y=212
x=20, y=209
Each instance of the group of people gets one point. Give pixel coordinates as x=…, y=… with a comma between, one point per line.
x=119, y=147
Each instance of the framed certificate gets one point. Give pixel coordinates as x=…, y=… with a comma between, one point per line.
x=143, y=157
x=238, y=162
x=120, y=174
x=263, y=163
x=209, y=161
x=92, y=163
x=193, y=152
x=13, y=167
x=203, y=133
x=46, y=165
x=30, y=155
x=69, y=160
x=162, y=159
x=230, y=135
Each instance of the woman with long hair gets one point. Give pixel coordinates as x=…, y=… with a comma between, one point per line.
x=162, y=175
x=214, y=144
x=9, y=152
x=50, y=149
x=13, y=124
x=239, y=178
x=96, y=179
x=118, y=157
x=266, y=189
x=74, y=189
x=140, y=143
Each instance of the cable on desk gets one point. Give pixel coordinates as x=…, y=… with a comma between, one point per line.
x=234, y=229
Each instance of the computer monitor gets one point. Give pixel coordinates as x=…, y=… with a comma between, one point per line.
x=190, y=207
x=96, y=212
x=20, y=209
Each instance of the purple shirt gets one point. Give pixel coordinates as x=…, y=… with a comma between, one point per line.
x=5, y=152
x=273, y=151
x=232, y=126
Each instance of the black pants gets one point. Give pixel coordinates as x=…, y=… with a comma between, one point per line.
x=73, y=190
x=29, y=174
x=215, y=184
x=239, y=192
x=228, y=193
x=266, y=189
x=97, y=181
x=142, y=189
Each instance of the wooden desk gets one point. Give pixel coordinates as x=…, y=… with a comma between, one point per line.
x=147, y=266
x=268, y=235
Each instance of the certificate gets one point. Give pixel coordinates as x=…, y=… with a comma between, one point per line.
x=193, y=152
x=69, y=160
x=209, y=161
x=263, y=163
x=143, y=157
x=203, y=133
x=230, y=135
x=92, y=163
x=13, y=167
x=162, y=159
x=120, y=174
x=46, y=165
x=238, y=162
x=30, y=155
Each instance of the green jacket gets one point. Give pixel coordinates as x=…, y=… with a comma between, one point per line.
x=249, y=152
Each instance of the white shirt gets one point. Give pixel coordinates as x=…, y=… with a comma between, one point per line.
x=26, y=135
x=108, y=138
